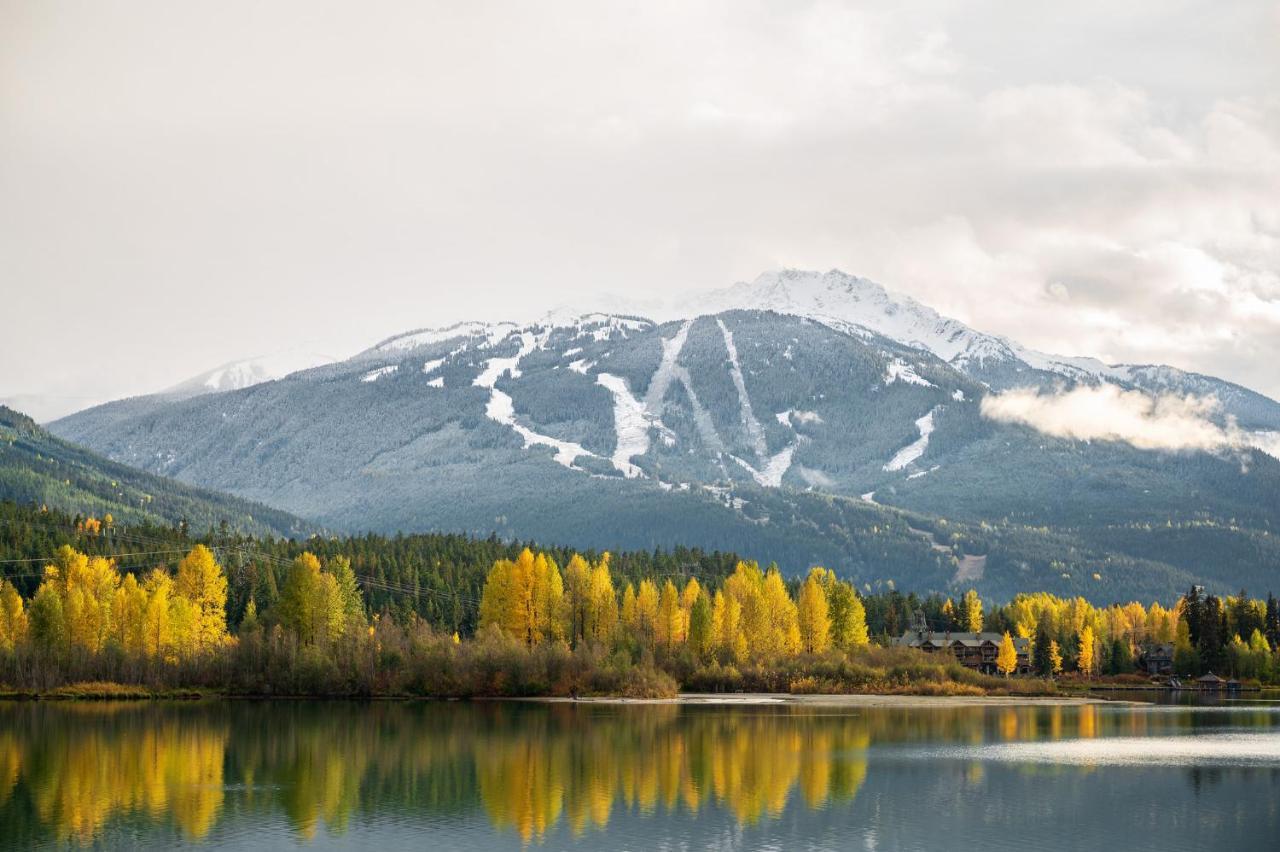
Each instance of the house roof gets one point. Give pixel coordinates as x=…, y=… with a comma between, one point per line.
x=915, y=639
x=1210, y=678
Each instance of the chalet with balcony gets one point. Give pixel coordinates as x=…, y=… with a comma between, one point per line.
x=976, y=651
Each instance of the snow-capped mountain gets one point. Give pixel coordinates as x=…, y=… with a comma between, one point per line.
x=784, y=432
x=858, y=305
x=247, y=372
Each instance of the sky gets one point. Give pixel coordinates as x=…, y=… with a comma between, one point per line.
x=186, y=184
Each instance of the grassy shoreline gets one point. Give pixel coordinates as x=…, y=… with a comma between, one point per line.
x=110, y=691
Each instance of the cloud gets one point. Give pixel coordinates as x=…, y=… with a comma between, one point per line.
x=1109, y=413
x=1101, y=181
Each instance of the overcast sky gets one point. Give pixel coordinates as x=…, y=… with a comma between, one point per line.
x=184, y=184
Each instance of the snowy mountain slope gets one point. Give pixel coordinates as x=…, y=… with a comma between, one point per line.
x=732, y=430
x=247, y=372
x=853, y=304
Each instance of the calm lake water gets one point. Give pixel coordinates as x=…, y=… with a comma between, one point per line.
x=385, y=775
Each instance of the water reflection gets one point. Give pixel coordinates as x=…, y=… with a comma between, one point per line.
x=201, y=772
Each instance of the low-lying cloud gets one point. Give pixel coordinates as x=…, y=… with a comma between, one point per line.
x=1110, y=413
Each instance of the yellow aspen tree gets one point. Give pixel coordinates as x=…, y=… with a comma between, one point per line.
x=629, y=612
x=578, y=598
x=972, y=610
x=331, y=615
x=203, y=583
x=718, y=605
x=602, y=618
x=745, y=587
x=688, y=597
x=548, y=598
x=647, y=610
x=157, y=634
x=497, y=600
x=13, y=619
x=1007, y=657
x=297, y=606
x=1085, y=660
x=781, y=624
x=667, y=627
x=353, y=615
x=1055, y=657
x=813, y=615
x=130, y=613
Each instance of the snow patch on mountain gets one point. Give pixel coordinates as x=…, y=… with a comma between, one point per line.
x=374, y=375
x=431, y=366
x=437, y=382
x=631, y=424
x=792, y=416
x=495, y=368
x=491, y=333
x=755, y=432
x=900, y=371
x=245, y=373
x=502, y=410
x=916, y=448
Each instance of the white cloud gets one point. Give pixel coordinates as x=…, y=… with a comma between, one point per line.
x=1109, y=413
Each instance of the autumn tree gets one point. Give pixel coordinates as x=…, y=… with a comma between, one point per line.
x=813, y=614
x=1055, y=658
x=13, y=617
x=1007, y=657
x=971, y=609
x=297, y=609
x=202, y=581
x=1085, y=659
x=847, y=613
x=525, y=598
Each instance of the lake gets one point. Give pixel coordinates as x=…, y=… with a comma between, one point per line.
x=512, y=775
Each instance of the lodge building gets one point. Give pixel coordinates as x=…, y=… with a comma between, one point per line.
x=976, y=651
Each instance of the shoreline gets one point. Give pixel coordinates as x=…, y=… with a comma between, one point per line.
x=859, y=700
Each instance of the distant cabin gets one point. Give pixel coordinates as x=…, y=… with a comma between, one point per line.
x=1211, y=682
x=976, y=651
x=1156, y=658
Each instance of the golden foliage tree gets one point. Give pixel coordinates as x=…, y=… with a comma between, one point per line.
x=813, y=614
x=1085, y=658
x=13, y=617
x=1007, y=657
x=203, y=583
x=524, y=597
x=972, y=609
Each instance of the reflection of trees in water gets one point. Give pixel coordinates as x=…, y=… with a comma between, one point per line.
x=66, y=771
x=115, y=763
x=649, y=759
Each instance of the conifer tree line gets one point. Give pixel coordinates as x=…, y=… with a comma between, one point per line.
x=163, y=605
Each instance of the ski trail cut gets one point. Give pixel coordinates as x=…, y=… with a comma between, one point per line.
x=916, y=448
x=755, y=432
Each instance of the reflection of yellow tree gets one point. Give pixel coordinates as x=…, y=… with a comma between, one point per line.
x=10, y=762
x=659, y=758
x=79, y=782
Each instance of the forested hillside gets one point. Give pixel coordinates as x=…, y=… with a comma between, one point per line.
x=36, y=467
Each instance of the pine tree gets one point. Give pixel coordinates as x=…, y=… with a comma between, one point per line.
x=1041, y=656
